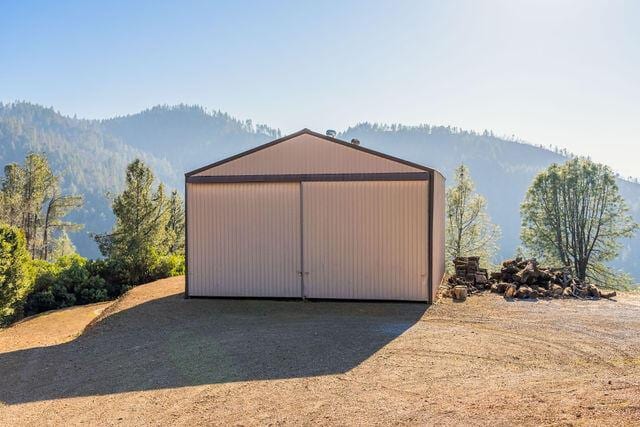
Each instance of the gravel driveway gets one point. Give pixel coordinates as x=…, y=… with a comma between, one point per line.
x=156, y=358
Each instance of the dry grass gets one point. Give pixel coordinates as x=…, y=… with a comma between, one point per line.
x=155, y=358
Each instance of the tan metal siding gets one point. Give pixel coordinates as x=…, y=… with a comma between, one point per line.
x=244, y=239
x=307, y=154
x=365, y=240
x=438, y=232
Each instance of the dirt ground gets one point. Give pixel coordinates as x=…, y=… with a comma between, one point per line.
x=51, y=328
x=155, y=358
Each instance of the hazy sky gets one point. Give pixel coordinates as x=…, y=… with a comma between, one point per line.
x=557, y=72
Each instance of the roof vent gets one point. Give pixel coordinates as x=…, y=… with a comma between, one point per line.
x=330, y=132
x=355, y=141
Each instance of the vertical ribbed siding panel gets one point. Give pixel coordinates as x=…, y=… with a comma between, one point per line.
x=366, y=240
x=439, y=259
x=244, y=239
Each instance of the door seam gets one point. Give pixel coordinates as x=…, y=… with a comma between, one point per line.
x=301, y=242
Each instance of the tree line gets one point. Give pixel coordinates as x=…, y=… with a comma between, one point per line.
x=572, y=216
x=31, y=200
x=39, y=268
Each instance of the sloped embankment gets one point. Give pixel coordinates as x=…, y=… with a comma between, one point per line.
x=61, y=326
x=50, y=328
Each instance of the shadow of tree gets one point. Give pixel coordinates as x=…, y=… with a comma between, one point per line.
x=172, y=342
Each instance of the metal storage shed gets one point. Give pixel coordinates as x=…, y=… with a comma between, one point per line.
x=311, y=216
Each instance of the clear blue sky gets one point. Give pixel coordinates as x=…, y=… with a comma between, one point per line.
x=557, y=72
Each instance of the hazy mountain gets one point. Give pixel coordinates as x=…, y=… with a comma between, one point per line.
x=91, y=156
x=187, y=135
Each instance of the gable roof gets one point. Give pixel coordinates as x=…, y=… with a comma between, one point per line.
x=306, y=131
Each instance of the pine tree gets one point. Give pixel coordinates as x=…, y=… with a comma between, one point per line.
x=469, y=230
x=31, y=200
x=140, y=232
x=175, y=224
x=38, y=180
x=57, y=208
x=12, y=195
x=62, y=246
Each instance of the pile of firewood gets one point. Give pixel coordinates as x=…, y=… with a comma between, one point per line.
x=469, y=278
x=518, y=278
x=524, y=278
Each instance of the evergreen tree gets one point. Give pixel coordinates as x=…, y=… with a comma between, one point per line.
x=12, y=195
x=38, y=180
x=62, y=247
x=14, y=271
x=57, y=208
x=175, y=224
x=469, y=230
x=140, y=232
x=30, y=199
x=574, y=215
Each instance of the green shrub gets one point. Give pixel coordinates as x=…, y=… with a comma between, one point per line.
x=73, y=280
x=78, y=280
x=48, y=294
x=169, y=266
x=15, y=272
x=114, y=273
x=92, y=289
x=67, y=282
x=119, y=276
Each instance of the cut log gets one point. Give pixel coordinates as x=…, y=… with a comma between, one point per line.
x=510, y=292
x=523, y=292
x=460, y=293
x=607, y=295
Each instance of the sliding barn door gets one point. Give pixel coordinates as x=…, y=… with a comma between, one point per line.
x=365, y=240
x=244, y=240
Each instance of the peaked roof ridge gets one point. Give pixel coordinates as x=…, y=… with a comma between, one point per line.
x=308, y=131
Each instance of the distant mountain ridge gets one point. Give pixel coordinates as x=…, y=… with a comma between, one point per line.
x=91, y=155
x=166, y=131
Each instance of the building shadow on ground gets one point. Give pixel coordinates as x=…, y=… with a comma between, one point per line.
x=172, y=342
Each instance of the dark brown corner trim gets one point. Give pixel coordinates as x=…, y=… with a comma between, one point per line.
x=432, y=211
x=403, y=176
x=318, y=135
x=186, y=241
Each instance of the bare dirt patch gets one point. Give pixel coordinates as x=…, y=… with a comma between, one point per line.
x=156, y=358
x=50, y=328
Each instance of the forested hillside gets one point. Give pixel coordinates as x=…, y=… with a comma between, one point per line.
x=92, y=155
x=187, y=136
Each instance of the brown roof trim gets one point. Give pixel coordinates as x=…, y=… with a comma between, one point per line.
x=395, y=176
x=318, y=135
